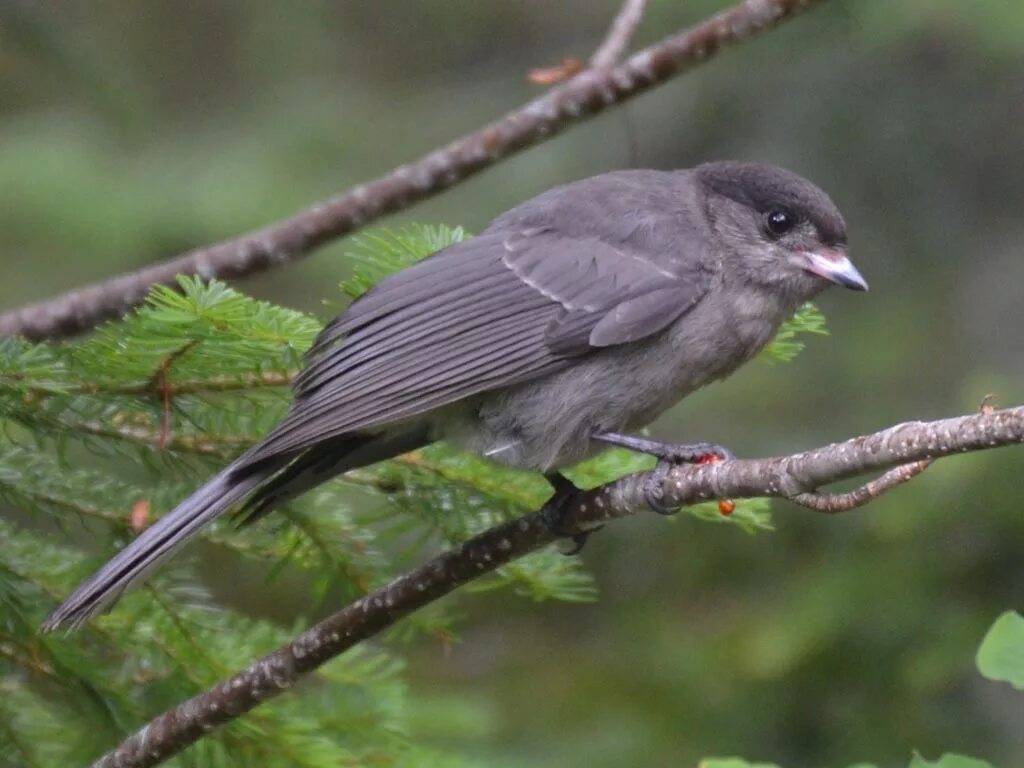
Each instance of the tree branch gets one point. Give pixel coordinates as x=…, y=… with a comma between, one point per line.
x=907, y=447
x=831, y=503
x=583, y=96
x=619, y=34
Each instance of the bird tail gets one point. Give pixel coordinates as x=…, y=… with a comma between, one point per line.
x=156, y=544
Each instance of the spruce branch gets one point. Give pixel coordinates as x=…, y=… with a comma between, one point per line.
x=584, y=95
x=910, y=445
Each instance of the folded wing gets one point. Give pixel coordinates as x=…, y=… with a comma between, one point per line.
x=496, y=310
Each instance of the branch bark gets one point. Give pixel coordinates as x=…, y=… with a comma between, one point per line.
x=579, y=98
x=900, y=452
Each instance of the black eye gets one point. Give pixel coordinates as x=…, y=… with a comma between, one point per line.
x=779, y=222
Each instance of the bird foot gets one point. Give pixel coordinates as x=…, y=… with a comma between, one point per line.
x=555, y=514
x=669, y=455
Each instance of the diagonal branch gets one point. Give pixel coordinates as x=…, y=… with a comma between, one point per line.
x=583, y=96
x=904, y=445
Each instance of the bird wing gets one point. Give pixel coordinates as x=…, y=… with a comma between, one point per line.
x=496, y=310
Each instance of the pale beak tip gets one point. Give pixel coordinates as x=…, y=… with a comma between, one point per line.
x=853, y=281
x=834, y=266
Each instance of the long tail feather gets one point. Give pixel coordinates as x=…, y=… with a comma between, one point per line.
x=154, y=545
x=330, y=459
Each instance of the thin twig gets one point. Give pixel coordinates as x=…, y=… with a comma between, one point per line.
x=607, y=55
x=909, y=444
x=161, y=383
x=619, y=35
x=220, y=446
x=579, y=98
x=832, y=503
x=212, y=385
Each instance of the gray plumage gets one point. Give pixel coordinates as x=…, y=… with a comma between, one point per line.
x=590, y=308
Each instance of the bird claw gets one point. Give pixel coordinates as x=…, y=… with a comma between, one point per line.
x=654, y=488
x=696, y=453
x=669, y=454
x=685, y=453
x=553, y=515
x=579, y=540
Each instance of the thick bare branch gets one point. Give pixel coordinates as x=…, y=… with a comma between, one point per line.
x=581, y=97
x=905, y=445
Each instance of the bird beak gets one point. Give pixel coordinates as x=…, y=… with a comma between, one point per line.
x=833, y=265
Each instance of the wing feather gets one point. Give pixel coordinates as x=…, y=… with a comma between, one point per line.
x=430, y=281
x=503, y=350
x=414, y=326
x=640, y=316
x=486, y=313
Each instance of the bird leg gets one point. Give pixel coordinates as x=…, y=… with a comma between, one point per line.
x=668, y=455
x=554, y=513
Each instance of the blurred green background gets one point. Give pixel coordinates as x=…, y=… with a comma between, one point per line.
x=131, y=131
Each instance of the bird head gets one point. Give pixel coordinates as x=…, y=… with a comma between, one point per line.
x=778, y=228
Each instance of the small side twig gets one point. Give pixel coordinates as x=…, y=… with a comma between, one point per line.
x=905, y=447
x=161, y=383
x=219, y=446
x=619, y=35
x=831, y=503
x=152, y=386
x=607, y=55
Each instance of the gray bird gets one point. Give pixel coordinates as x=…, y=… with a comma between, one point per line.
x=570, y=320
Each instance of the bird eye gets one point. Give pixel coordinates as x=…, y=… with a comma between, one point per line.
x=779, y=222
